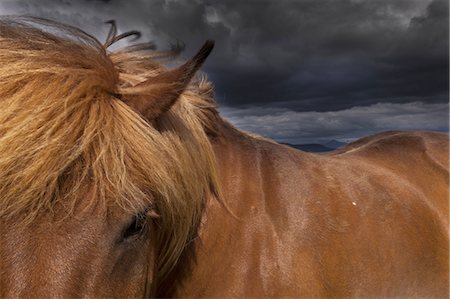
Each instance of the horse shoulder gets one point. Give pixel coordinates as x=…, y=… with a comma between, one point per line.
x=388, y=191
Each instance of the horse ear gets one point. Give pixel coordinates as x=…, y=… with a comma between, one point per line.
x=157, y=95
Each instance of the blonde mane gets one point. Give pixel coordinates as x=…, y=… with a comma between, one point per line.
x=63, y=127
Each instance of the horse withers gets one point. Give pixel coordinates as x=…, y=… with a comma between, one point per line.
x=119, y=178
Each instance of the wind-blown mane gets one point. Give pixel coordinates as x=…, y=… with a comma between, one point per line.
x=66, y=135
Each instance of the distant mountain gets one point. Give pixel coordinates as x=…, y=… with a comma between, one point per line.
x=334, y=144
x=318, y=148
x=310, y=147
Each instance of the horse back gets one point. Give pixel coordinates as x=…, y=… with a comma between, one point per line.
x=418, y=160
x=369, y=220
x=381, y=216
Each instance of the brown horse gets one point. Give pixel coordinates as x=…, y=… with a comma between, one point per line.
x=118, y=178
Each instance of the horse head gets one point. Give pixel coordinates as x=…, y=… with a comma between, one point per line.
x=102, y=178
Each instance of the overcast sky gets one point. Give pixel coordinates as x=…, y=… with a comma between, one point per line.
x=297, y=71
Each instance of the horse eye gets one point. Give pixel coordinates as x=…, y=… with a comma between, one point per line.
x=136, y=227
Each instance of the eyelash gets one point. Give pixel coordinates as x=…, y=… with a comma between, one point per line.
x=136, y=227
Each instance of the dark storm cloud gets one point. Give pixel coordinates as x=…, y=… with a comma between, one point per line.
x=297, y=56
x=305, y=55
x=329, y=55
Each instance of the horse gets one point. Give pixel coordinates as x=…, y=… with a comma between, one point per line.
x=119, y=178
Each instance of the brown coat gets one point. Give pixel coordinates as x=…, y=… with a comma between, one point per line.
x=369, y=220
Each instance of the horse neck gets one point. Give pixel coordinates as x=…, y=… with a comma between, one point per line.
x=238, y=153
x=232, y=149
